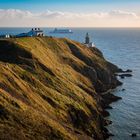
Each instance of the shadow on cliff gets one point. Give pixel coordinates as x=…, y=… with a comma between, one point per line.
x=14, y=54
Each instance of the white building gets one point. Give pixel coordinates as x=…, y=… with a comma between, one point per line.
x=5, y=36
x=33, y=33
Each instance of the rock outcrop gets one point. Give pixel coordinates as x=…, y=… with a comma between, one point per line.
x=51, y=89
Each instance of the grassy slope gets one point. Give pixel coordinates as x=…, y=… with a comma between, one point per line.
x=48, y=89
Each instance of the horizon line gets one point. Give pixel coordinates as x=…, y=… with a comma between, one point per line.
x=62, y=27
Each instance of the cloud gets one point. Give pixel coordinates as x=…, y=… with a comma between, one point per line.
x=16, y=17
x=14, y=13
x=123, y=14
x=51, y=14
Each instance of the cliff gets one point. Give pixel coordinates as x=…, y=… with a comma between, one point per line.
x=50, y=89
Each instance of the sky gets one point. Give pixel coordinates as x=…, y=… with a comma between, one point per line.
x=70, y=13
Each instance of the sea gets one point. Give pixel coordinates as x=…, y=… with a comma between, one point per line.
x=121, y=46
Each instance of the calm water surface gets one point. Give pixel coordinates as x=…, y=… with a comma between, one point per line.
x=122, y=47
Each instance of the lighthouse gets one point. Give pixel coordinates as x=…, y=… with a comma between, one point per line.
x=87, y=41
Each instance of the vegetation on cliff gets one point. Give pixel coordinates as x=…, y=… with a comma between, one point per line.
x=50, y=89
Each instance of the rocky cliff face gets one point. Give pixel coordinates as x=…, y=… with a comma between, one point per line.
x=50, y=89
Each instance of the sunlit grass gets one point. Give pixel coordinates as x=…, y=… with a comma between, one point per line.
x=38, y=94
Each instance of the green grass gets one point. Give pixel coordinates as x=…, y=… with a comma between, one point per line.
x=46, y=91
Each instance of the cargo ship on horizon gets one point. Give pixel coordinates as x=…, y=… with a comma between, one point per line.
x=61, y=31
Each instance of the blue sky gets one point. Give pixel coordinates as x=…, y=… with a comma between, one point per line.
x=69, y=5
x=75, y=13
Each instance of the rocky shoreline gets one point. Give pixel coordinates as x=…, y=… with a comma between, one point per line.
x=55, y=88
x=108, y=98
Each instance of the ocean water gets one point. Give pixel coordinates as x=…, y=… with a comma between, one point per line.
x=122, y=47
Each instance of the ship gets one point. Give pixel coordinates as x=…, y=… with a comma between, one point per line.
x=61, y=31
